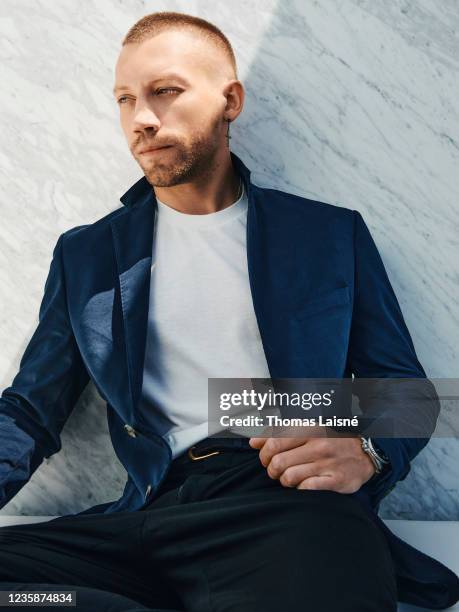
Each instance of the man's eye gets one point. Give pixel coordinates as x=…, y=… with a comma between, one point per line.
x=174, y=89
x=166, y=89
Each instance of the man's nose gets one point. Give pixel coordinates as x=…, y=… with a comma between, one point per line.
x=145, y=117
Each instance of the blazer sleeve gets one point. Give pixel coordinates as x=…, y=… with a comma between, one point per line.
x=380, y=347
x=51, y=377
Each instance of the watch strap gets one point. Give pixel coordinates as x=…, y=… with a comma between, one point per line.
x=379, y=460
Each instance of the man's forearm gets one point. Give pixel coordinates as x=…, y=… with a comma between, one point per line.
x=19, y=458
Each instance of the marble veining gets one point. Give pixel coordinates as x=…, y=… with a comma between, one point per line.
x=351, y=102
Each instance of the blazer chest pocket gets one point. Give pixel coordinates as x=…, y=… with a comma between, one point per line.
x=339, y=296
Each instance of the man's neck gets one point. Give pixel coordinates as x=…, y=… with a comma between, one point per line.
x=218, y=189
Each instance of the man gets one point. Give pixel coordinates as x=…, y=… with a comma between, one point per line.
x=162, y=294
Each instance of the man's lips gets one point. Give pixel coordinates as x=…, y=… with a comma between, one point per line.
x=154, y=150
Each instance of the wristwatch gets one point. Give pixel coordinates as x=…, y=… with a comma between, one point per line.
x=379, y=459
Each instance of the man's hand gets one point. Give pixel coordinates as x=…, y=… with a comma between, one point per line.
x=336, y=464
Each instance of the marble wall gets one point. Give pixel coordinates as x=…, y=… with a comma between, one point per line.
x=352, y=102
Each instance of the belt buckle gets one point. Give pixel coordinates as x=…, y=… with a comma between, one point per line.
x=194, y=457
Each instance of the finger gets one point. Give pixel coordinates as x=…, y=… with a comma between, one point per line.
x=317, y=483
x=311, y=450
x=282, y=432
x=274, y=446
x=295, y=474
x=259, y=441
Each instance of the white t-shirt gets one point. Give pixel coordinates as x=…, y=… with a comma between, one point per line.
x=201, y=321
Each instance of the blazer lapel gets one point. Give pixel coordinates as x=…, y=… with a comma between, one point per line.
x=132, y=233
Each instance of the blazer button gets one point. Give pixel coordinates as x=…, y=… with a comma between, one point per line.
x=148, y=491
x=130, y=430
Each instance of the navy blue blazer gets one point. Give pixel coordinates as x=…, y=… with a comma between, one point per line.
x=325, y=309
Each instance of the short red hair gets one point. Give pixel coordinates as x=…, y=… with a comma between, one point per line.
x=154, y=23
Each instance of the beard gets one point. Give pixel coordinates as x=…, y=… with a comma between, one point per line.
x=184, y=162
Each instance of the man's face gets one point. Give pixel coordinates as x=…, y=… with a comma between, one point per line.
x=186, y=114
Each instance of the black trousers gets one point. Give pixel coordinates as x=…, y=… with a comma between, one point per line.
x=220, y=536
